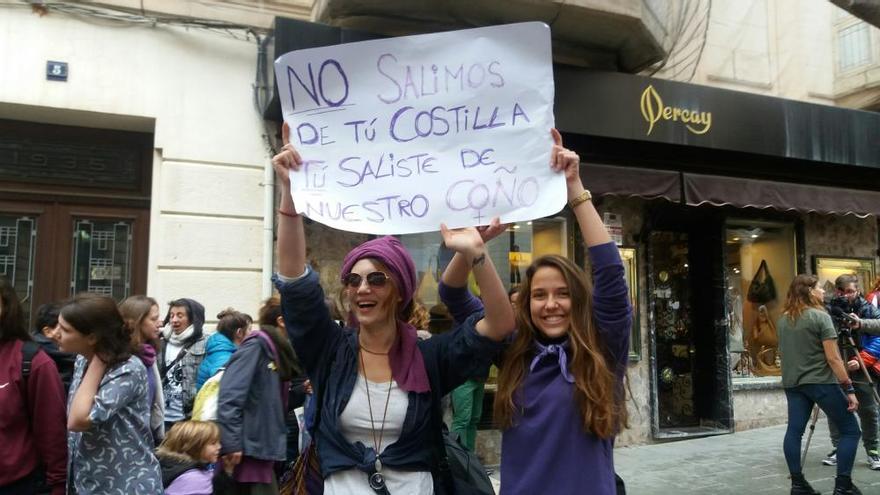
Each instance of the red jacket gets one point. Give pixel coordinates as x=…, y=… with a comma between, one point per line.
x=35, y=432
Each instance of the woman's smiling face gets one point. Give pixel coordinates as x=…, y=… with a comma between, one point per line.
x=372, y=302
x=550, y=302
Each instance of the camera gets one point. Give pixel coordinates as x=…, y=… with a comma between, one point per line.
x=842, y=320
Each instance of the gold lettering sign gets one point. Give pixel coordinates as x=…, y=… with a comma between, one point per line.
x=653, y=110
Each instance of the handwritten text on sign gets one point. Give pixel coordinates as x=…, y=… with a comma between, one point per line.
x=401, y=134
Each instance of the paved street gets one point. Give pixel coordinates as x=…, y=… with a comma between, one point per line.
x=743, y=463
x=747, y=462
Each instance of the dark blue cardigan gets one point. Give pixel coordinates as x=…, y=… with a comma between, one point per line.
x=330, y=356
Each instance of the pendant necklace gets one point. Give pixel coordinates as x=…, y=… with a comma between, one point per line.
x=376, y=478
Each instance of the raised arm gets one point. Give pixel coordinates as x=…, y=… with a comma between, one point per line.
x=567, y=161
x=498, y=321
x=291, y=236
x=453, y=283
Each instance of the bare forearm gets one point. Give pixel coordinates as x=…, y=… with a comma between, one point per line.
x=838, y=368
x=498, y=321
x=291, y=238
x=84, y=400
x=456, y=272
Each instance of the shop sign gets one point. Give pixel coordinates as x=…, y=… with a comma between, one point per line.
x=614, y=224
x=653, y=110
x=398, y=135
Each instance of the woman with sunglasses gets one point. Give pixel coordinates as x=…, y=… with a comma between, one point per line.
x=375, y=432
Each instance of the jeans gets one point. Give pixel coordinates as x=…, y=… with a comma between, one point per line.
x=467, y=408
x=832, y=401
x=869, y=418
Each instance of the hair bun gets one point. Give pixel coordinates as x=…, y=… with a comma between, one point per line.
x=226, y=312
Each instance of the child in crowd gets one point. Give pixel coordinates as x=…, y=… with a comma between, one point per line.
x=186, y=456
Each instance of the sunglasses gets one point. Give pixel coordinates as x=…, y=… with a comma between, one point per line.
x=374, y=279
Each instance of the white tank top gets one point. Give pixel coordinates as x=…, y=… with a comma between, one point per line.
x=355, y=426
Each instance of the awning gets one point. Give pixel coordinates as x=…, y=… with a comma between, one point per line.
x=719, y=191
x=647, y=183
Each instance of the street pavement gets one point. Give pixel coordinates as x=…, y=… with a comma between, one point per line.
x=742, y=463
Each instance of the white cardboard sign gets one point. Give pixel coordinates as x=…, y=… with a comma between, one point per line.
x=398, y=135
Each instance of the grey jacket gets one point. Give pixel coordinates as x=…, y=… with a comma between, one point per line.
x=190, y=366
x=250, y=409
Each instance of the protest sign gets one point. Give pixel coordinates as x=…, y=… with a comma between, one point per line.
x=400, y=134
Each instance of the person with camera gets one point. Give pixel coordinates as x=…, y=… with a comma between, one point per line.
x=857, y=321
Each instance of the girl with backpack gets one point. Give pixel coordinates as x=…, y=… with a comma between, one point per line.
x=32, y=433
x=141, y=314
x=186, y=454
x=110, y=446
x=251, y=409
x=232, y=328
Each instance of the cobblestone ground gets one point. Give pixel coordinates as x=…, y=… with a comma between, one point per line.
x=743, y=463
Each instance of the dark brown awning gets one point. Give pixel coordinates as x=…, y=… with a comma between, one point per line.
x=719, y=191
x=647, y=183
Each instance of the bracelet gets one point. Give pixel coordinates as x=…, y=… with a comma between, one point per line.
x=287, y=213
x=850, y=390
x=581, y=198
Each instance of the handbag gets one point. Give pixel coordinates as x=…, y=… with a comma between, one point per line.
x=304, y=475
x=762, y=289
x=457, y=470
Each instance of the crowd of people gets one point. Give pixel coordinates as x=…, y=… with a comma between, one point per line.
x=105, y=397
x=99, y=396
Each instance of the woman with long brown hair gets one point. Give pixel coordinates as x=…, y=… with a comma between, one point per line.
x=141, y=314
x=813, y=374
x=560, y=399
x=560, y=393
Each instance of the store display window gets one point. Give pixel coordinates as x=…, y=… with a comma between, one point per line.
x=760, y=263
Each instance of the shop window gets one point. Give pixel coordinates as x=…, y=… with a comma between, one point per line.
x=759, y=256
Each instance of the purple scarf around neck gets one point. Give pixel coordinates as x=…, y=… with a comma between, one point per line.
x=405, y=358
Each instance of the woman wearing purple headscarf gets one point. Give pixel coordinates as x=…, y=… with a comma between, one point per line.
x=375, y=430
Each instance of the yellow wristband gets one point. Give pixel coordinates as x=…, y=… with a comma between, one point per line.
x=582, y=198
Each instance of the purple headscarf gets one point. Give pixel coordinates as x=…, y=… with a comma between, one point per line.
x=407, y=364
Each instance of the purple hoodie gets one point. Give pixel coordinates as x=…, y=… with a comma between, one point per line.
x=193, y=482
x=547, y=447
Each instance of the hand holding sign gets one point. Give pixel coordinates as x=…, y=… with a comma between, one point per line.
x=397, y=135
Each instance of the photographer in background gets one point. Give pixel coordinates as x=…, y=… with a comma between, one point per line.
x=854, y=317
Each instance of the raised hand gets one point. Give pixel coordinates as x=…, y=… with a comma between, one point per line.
x=286, y=159
x=491, y=231
x=564, y=160
x=466, y=241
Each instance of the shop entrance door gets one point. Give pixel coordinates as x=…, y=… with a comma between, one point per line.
x=51, y=251
x=690, y=393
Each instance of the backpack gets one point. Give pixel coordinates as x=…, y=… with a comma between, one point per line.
x=205, y=405
x=28, y=350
